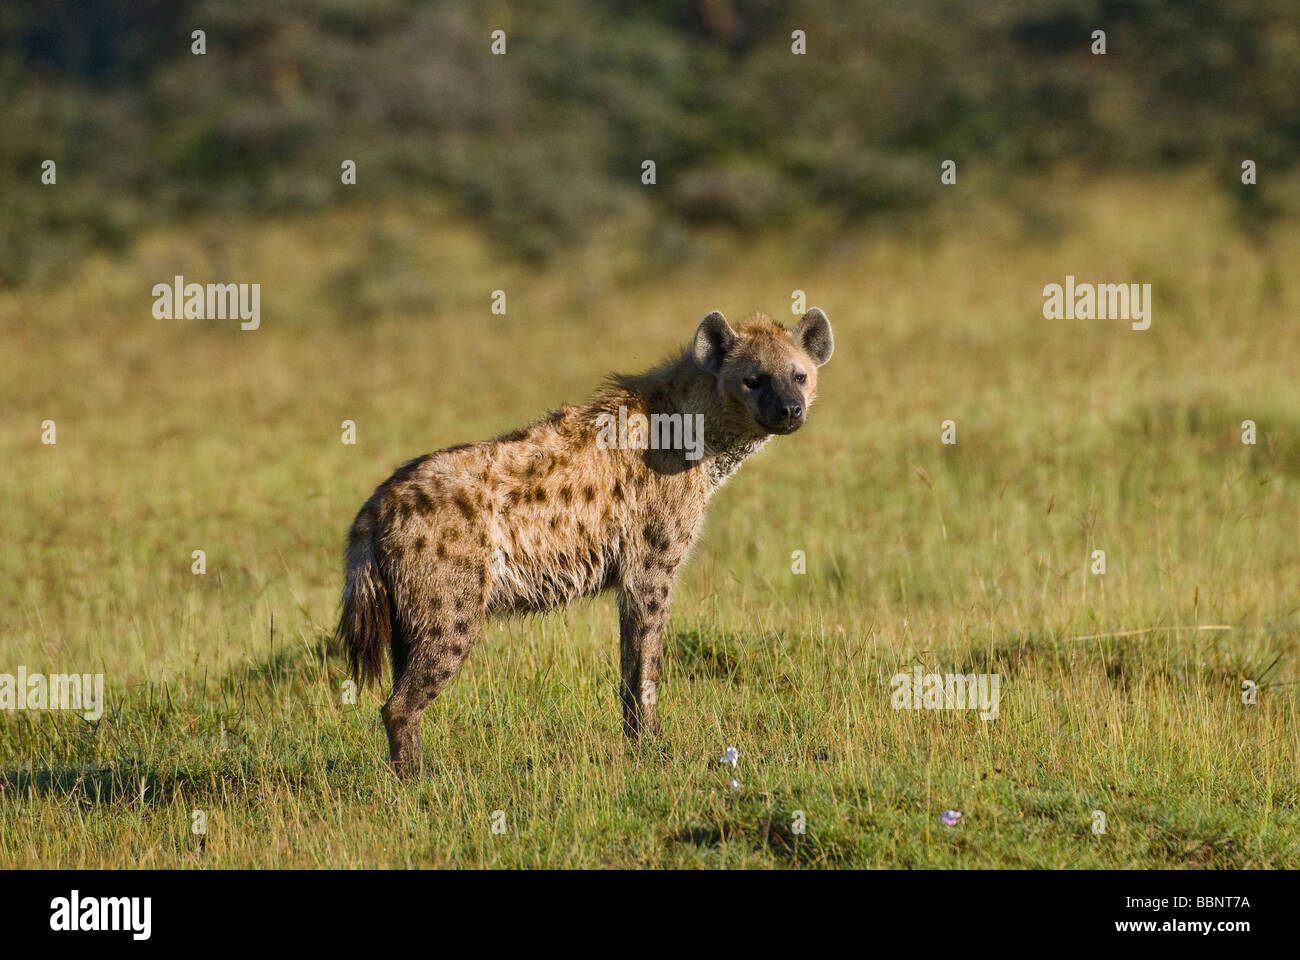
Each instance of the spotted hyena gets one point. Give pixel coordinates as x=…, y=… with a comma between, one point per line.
x=609, y=494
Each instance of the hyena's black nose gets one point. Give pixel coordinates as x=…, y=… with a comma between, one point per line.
x=792, y=411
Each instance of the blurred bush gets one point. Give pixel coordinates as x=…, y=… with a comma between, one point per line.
x=546, y=143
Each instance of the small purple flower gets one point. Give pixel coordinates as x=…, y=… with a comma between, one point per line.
x=731, y=755
x=949, y=818
x=734, y=784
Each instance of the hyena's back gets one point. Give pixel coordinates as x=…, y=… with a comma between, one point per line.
x=526, y=522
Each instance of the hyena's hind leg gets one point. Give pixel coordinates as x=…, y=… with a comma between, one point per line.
x=450, y=616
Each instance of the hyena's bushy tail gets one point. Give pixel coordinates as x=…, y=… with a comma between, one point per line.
x=365, y=621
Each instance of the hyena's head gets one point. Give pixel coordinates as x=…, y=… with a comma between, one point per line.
x=766, y=375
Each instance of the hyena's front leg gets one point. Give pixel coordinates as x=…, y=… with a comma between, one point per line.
x=642, y=614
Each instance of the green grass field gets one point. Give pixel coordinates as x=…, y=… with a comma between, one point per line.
x=1073, y=436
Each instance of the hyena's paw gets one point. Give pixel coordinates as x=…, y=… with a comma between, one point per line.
x=404, y=748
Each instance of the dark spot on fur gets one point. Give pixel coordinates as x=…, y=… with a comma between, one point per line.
x=419, y=543
x=555, y=522
x=653, y=606
x=589, y=492
x=461, y=626
x=566, y=493
x=442, y=551
x=457, y=650
x=464, y=506
x=423, y=503
x=539, y=495
x=618, y=490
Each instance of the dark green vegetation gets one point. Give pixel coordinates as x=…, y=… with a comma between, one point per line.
x=545, y=144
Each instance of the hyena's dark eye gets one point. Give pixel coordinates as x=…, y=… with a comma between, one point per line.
x=754, y=380
x=800, y=377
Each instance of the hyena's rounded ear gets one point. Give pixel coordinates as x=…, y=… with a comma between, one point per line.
x=813, y=333
x=714, y=338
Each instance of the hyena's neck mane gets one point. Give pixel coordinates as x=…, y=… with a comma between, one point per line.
x=679, y=386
